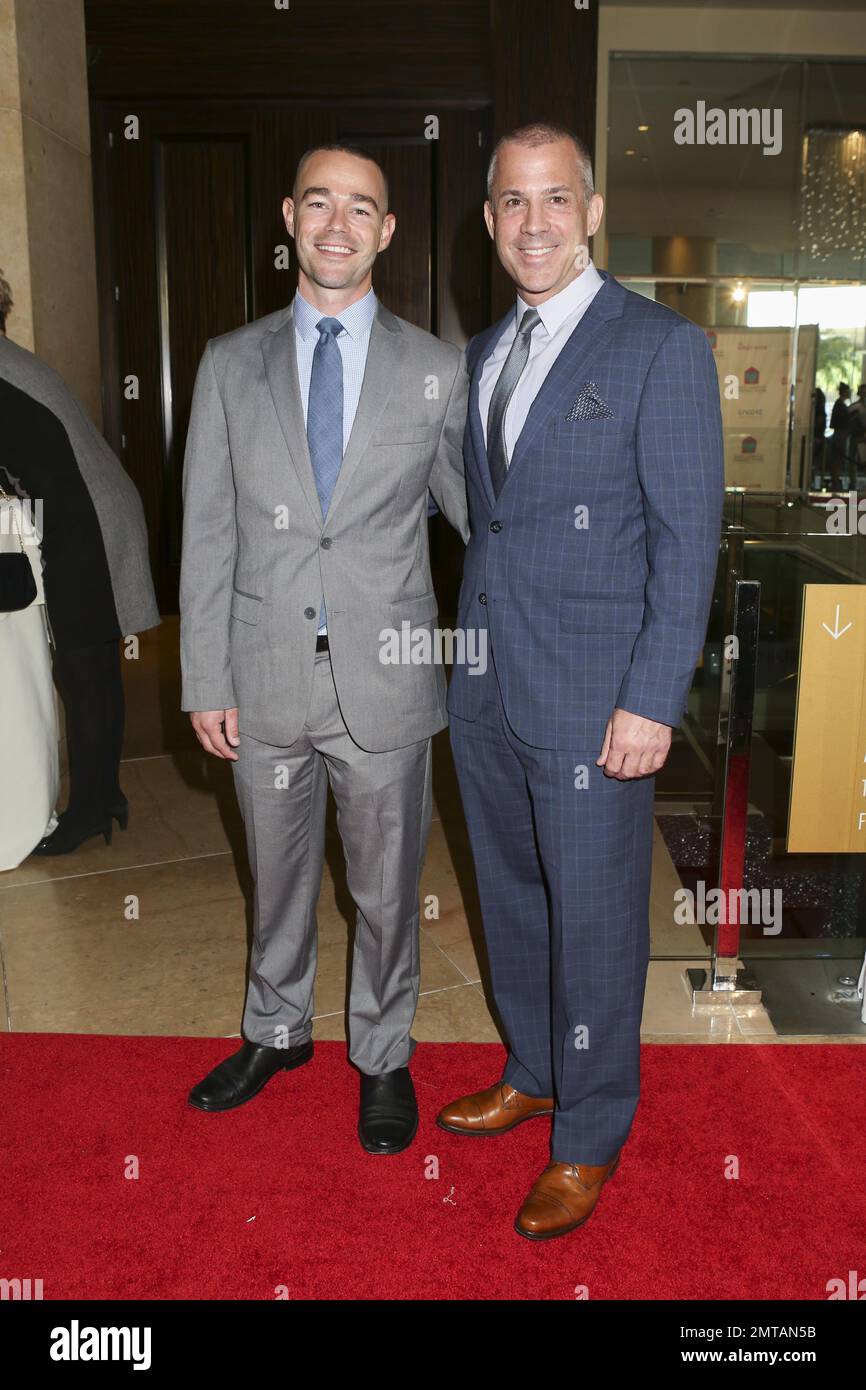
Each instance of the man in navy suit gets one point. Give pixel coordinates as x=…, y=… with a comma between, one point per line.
x=594, y=468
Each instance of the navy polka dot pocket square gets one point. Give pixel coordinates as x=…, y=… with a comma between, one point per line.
x=589, y=404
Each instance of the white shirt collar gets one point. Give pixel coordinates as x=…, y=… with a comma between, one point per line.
x=554, y=311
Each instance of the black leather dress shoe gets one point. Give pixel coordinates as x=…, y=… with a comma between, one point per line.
x=389, y=1112
x=241, y=1076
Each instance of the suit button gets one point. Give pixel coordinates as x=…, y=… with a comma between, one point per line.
x=309, y=612
x=326, y=542
x=496, y=527
x=482, y=598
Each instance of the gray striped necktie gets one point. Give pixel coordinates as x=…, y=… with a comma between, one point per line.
x=511, y=373
x=325, y=416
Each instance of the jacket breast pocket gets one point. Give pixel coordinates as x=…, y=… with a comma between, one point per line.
x=404, y=435
x=415, y=610
x=593, y=432
x=247, y=608
x=601, y=616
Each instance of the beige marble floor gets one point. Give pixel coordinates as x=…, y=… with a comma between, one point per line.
x=150, y=934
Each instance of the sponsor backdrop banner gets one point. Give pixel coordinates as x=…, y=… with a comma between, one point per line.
x=755, y=419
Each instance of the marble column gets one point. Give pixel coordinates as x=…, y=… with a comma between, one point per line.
x=46, y=200
x=686, y=255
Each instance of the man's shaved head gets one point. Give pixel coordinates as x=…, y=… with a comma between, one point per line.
x=542, y=133
x=297, y=190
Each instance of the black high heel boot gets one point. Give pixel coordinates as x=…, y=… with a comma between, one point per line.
x=91, y=688
x=72, y=831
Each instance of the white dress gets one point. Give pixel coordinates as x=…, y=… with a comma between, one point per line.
x=29, y=764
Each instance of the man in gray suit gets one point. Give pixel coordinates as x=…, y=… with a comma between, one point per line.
x=314, y=436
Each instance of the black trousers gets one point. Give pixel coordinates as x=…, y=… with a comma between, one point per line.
x=90, y=685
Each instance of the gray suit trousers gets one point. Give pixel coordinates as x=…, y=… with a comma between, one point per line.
x=383, y=813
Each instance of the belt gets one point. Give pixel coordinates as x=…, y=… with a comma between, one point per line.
x=322, y=642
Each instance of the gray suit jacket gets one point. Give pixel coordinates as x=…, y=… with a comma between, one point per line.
x=113, y=493
x=257, y=557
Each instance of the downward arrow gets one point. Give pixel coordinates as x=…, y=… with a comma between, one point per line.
x=838, y=632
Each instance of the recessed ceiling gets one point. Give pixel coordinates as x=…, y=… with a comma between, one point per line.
x=732, y=194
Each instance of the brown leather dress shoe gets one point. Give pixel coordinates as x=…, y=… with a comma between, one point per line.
x=493, y=1111
x=562, y=1198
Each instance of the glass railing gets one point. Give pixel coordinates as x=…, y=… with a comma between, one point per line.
x=784, y=540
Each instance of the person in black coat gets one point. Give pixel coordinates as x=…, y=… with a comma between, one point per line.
x=819, y=425
x=83, y=490
x=840, y=424
x=38, y=461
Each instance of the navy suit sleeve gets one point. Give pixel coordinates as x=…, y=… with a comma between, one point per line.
x=680, y=462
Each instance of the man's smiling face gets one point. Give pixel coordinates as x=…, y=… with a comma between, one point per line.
x=338, y=218
x=538, y=217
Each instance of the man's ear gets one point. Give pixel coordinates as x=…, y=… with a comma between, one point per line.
x=289, y=215
x=594, y=214
x=490, y=220
x=389, y=226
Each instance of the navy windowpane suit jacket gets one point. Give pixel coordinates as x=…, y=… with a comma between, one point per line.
x=596, y=563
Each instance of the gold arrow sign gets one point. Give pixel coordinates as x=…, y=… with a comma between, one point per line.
x=828, y=784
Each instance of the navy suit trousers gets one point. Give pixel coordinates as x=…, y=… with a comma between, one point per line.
x=563, y=859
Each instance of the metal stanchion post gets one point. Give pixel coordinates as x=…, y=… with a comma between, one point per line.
x=724, y=983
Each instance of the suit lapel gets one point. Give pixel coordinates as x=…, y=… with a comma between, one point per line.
x=564, y=378
x=476, y=429
x=281, y=370
x=383, y=358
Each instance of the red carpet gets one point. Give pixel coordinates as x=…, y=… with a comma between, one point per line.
x=280, y=1193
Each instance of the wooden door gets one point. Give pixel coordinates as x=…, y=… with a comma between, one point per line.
x=192, y=244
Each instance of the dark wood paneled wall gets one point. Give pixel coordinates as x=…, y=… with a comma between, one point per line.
x=318, y=50
x=544, y=69
x=202, y=207
x=228, y=94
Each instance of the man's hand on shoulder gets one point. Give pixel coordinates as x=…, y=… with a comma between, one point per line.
x=633, y=746
x=209, y=732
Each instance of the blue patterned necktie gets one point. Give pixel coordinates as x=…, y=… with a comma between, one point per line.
x=325, y=416
x=325, y=411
